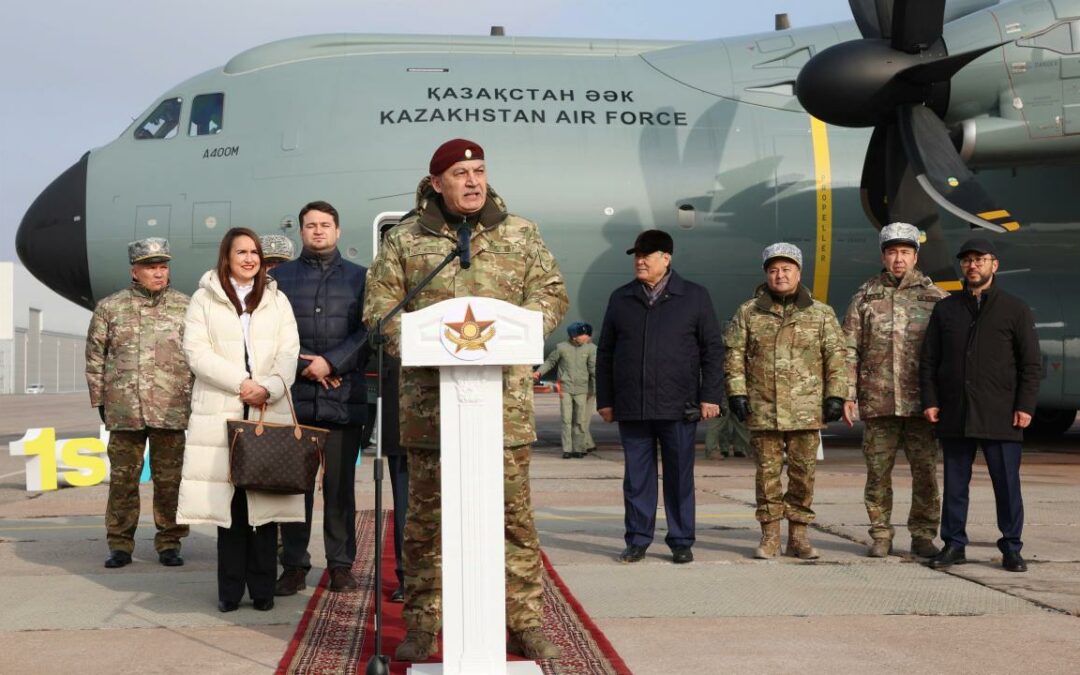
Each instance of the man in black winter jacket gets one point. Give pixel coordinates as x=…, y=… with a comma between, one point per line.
x=979, y=376
x=659, y=369
x=327, y=296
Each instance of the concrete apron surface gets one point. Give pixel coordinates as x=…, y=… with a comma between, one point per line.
x=844, y=613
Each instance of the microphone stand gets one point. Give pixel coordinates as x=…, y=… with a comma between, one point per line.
x=379, y=664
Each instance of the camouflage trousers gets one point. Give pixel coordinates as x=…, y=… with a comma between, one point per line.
x=882, y=438
x=422, y=549
x=166, y=462
x=575, y=421
x=725, y=435
x=772, y=502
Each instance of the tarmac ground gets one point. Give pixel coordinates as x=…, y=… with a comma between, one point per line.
x=726, y=612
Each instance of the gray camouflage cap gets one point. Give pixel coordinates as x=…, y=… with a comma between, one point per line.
x=900, y=233
x=276, y=247
x=149, y=250
x=781, y=250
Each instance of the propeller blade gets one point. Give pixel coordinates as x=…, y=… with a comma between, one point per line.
x=917, y=24
x=873, y=17
x=942, y=174
x=873, y=188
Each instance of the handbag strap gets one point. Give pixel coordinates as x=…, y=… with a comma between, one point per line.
x=292, y=409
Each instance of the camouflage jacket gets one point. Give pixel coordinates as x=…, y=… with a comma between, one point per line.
x=509, y=262
x=884, y=325
x=575, y=366
x=135, y=363
x=787, y=357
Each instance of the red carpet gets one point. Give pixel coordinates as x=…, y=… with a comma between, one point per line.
x=337, y=632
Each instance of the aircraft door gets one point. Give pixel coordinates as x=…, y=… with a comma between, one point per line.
x=152, y=220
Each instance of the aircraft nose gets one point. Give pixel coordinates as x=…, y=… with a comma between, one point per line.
x=51, y=240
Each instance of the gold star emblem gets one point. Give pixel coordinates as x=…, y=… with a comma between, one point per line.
x=471, y=334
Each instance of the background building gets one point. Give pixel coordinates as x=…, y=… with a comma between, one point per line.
x=42, y=336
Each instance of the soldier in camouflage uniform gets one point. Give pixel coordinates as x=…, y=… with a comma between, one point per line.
x=141, y=385
x=509, y=262
x=786, y=376
x=885, y=324
x=575, y=360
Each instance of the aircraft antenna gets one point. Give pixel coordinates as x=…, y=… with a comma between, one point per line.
x=783, y=21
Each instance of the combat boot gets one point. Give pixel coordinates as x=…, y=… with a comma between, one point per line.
x=923, y=547
x=798, y=545
x=770, y=541
x=881, y=548
x=418, y=645
x=532, y=644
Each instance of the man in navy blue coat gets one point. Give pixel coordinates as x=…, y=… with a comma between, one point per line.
x=327, y=296
x=659, y=369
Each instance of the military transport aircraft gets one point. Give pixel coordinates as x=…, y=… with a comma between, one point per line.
x=812, y=135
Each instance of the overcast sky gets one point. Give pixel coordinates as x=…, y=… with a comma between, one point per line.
x=74, y=73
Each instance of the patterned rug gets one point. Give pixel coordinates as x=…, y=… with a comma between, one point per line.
x=336, y=633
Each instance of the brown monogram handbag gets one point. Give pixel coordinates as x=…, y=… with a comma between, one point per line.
x=279, y=458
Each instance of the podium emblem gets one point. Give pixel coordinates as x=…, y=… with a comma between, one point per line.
x=467, y=338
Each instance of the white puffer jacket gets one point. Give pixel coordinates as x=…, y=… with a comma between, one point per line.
x=214, y=344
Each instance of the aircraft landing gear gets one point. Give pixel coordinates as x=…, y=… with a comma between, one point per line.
x=1050, y=422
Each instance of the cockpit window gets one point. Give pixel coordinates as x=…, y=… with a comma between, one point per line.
x=207, y=114
x=163, y=122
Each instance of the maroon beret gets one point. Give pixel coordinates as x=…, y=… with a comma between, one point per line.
x=452, y=152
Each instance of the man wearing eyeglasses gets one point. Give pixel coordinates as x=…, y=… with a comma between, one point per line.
x=979, y=374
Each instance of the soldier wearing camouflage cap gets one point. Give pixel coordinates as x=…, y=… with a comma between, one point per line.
x=140, y=383
x=884, y=326
x=277, y=248
x=575, y=363
x=510, y=262
x=786, y=379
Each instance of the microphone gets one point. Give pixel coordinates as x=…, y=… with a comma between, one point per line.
x=463, y=244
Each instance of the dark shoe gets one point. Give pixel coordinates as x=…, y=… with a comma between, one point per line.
x=682, y=555
x=398, y=595
x=532, y=644
x=117, y=559
x=263, y=604
x=417, y=646
x=1013, y=562
x=566, y=455
x=577, y=455
x=341, y=580
x=170, y=557
x=632, y=554
x=291, y=582
x=592, y=449
x=951, y=555
x=226, y=606
x=924, y=548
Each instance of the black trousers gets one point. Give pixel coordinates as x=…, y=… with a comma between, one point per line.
x=339, y=506
x=399, y=487
x=245, y=555
x=1003, y=463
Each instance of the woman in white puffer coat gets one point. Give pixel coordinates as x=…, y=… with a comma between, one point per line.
x=241, y=342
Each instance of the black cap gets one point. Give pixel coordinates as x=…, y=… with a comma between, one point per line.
x=980, y=246
x=651, y=241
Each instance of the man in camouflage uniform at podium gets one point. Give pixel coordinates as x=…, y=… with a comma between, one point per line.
x=510, y=262
x=140, y=383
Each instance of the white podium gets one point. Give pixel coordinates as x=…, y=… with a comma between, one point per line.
x=470, y=340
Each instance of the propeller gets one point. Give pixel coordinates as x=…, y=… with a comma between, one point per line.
x=896, y=79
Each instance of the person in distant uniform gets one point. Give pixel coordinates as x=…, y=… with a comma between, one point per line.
x=140, y=383
x=575, y=361
x=590, y=402
x=726, y=436
x=980, y=371
x=786, y=377
x=510, y=262
x=277, y=249
x=884, y=325
x=659, y=370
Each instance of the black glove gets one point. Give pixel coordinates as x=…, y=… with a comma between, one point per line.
x=833, y=409
x=740, y=407
x=101, y=413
